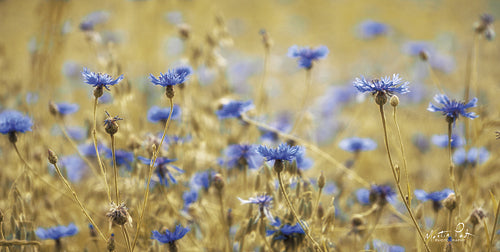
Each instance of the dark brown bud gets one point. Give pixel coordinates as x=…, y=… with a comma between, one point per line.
x=184, y=31
x=450, y=202
x=278, y=165
x=380, y=98
x=320, y=211
x=321, y=180
x=169, y=91
x=52, y=157
x=218, y=181
x=111, y=243
x=424, y=55
x=477, y=216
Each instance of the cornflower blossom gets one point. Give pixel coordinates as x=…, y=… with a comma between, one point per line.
x=170, y=237
x=370, y=29
x=99, y=80
x=442, y=141
x=64, y=108
x=452, y=109
x=240, y=155
x=283, y=152
x=122, y=157
x=189, y=197
x=75, y=167
x=157, y=114
x=307, y=55
x=13, y=122
x=264, y=203
x=383, y=88
x=435, y=197
x=473, y=157
x=234, y=109
x=57, y=232
x=285, y=232
x=356, y=144
x=163, y=169
x=172, y=77
x=380, y=194
x=202, y=180
x=89, y=149
x=303, y=162
x=378, y=245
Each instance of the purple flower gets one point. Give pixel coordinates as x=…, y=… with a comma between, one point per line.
x=163, y=169
x=356, y=144
x=189, y=198
x=286, y=232
x=92, y=19
x=169, y=237
x=264, y=203
x=385, y=85
x=12, y=121
x=240, y=155
x=202, y=180
x=435, y=197
x=369, y=29
x=283, y=152
x=307, y=55
x=64, y=108
x=156, y=114
x=452, y=109
x=474, y=157
x=122, y=157
x=172, y=77
x=442, y=141
x=57, y=232
x=234, y=109
x=99, y=80
x=75, y=167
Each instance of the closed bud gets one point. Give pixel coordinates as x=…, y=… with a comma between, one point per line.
x=53, y=108
x=424, y=55
x=450, y=202
x=98, y=91
x=477, y=216
x=321, y=180
x=320, y=211
x=394, y=101
x=52, y=157
x=111, y=243
x=357, y=220
x=218, y=181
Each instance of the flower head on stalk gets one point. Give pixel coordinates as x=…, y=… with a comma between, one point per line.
x=435, y=197
x=264, y=203
x=171, y=78
x=171, y=237
x=307, y=55
x=452, y=109
x=56, y=233
x=383, y=88
x=99, y=81
x=280, y=154
x=13, y=122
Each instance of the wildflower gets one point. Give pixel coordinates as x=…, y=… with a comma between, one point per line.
x=156, y=114
x=89, y=149
x=171, y=78
x=442, y=141
x=485, y=26
x=379, y=245
x=421, y=142
x=171, y=237
x=64, y=108
x=12, y=122
x=452, y=109
x=75, y=167
x=118, y=214
x=474, y=157
x=202, y=180
x=380, y=194
x=303, y=162
x=111, y=125
x=56, y=233
x=369, y=29
x=383, y=88
x=476, y=216
x=240, y=155
x=435, y=197
x=264, y=203
x=92, y=19
x=307, y=55
x=76, y=132
x=99, y=81
x=234, y=109
x=356, y=144
x=189, y=198
x=122, y=157
x=428, y=52
x=283, y=152
x=162, y=169
x=291, y=235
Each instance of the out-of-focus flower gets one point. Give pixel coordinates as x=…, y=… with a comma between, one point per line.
x=64, y=108
x=163, y=169
x=303, y=162
x=75, y=167
x=264, y=203
x=369, y=29
x=122, y=157
x=92, y=19
x=474, y=157
x=381, y=246
x=435, y=197
x=57, y=232
x=452, y=109
x=240, y=155
x=380, y=194
x=442, y=141
x=282, y=124
x=202, y=180
x=421, y=142
x=285, y=232
x=437, y=60
x=234, y=109
x=13, y=122
x=189, y=198
x=356, y=144
x=307, y=55
x=156, y=114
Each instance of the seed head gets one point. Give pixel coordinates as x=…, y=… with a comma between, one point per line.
x=118, y=214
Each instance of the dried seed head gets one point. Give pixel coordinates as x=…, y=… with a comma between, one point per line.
x=111, y=124
x=394, y=101
x=52, y=157
x=450, y=202
x=424, y=55
x=184, y=31
x=357, y=220
x=477, y=216
x=118, y=214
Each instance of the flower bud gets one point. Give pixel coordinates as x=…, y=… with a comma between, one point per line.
x=218, y=181
x=111, y=243
x=278, y=165
x=477, y=216
x=394, y=101
x=321, y=180
x=52, y=157
x=450, y=202
x=53, y=108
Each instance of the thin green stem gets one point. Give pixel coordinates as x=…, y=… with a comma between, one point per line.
x=405, y=165
x=150, y=173
x=382, y=115
x=115, y=169
x=75, y=196
x=94, y=137
x=316, y=245
x=304, y=100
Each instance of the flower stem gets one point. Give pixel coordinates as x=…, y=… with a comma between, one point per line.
x=405, y=165
x=127, y=238
x=304, y=100
x=68, y=186
x=115, y=169
x=150, y=173
x=94, y=137
x=382, y=115
x=289, y=203
x=452, y=167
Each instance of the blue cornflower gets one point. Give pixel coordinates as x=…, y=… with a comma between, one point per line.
x=122, y=157
x=12, y=121
x=234, y=109
x=356, y=144
x=240, y=155
x=283, y=152
x=156, y=114
x=264, y=203
x=452, y=109
x=421, y=142
x=369, y=29
x=76, y=132
x=99, y=80
x=92, y=19
x=381, y=246
x=89, y=149
x=307, y=55
x=382, y=88
x=202, y=180
x=172, y=77
x=169, y=237
x=75, y=167
x=442, y=141
x=56, y=233
x=380, y=194
x=64, y=108
x=474, y=157
x=435, y=197
x=162, y=170
x=286, y=231
x=303, y=162
x=189, y=198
